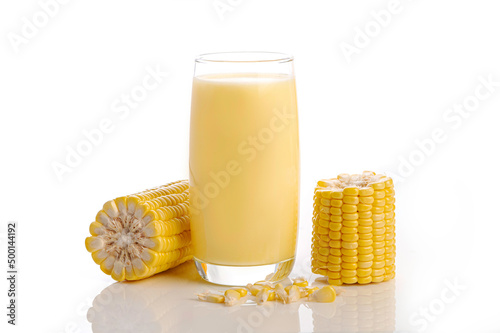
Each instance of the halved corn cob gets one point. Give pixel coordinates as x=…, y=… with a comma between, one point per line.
x=353, y=233
x=142, y=234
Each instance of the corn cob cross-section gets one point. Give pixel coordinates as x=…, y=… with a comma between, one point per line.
x=139, y=235
x=353, y=232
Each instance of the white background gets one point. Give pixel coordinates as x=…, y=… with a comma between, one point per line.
x=361, y=112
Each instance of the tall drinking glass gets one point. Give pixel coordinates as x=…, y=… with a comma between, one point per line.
x=244, y=167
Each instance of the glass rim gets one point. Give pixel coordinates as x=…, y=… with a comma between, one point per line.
x=244, y=57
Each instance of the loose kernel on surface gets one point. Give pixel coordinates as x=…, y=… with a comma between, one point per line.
x=242, y=291
x=326, y=294
x=231, y=297
x=293, y=294
x=301, y=281
x=280, y=293
x=211, y=297
x=262, y=296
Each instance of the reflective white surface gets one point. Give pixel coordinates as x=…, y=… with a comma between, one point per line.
x=167, y=303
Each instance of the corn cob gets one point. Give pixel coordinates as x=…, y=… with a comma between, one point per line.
x=353, y=233
x=139, y=235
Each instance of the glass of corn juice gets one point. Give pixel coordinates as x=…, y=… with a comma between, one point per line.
x=244, y=166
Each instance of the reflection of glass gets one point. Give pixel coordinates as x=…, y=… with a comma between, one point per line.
x=167, y=303
x=368, y=308
x=244, y=166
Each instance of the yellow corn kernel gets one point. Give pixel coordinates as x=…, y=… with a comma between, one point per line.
x=347, y=230
x=349, y=258
x=366, y=191
x=366, y=250
x=325, y=202
x=349, y=245
x=377, y=210
x=306, y=291
x=301, y=282
x=333, y=274
x=348, y=252
x=262, y=296
x=378, y=186
x=324, y=251
x=293, y=294
x=336, y=203
x=350, y=280
x=335, y=252
x=365, y=280
x=390, y=200
x=337, y=195
x=364, y=229
x=231, y=297
x=365, y=257
x=211, y=297
x=336, y=218
x=364, y=272
x=369, y=200
x=335, y=226
x=335, y=244
x=365, y=242
x=367, y=235
x=365, y=264
x=335, y=282
x=365, y=215
x=349, y=265
x=350, y=224
x=326, y=294
x=350, y=237
x=349, y=209
x=334, y=268
x=351, y=200
x=350, y=216
x=255, y=289
x=242, y=291
x=351, y=191
x=364, y=208
x=378, y=271
x=335, y=235
x=334, y=260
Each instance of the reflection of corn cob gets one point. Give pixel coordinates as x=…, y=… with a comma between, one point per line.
x=142, y=234
x=353, y=235
x=367, y=308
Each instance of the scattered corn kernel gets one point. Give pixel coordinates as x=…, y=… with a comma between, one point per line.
x=293, y=294
x=301, y=282
x=326, y=294
x=211, y=297
x=262, y=296
x=231, y=297
x=242, y=291
x=281, y=294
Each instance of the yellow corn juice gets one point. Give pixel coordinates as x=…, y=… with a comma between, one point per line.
x=244, y=168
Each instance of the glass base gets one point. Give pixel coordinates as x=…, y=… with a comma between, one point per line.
x=242, y=275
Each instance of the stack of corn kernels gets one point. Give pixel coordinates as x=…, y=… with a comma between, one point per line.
x=353, y=232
